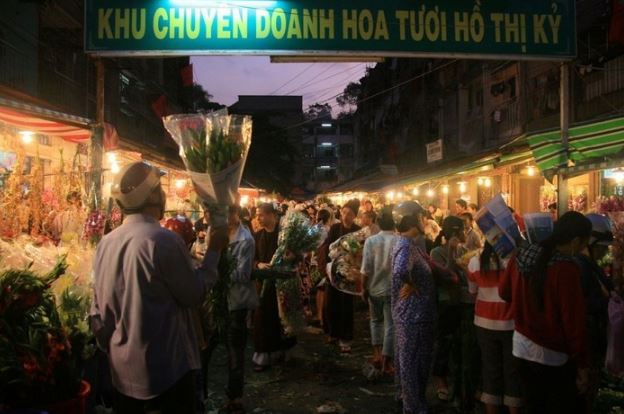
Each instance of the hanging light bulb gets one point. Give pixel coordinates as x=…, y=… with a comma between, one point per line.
x=430, y=193
x=480, y=181
x=399, y=195
x=488, y=182
x=445, y=189
x=27, y=136
x=179, y=184
x=415, y=192
x=390, y=195
x=462, y=187
x=530, y=171
x=115, y=168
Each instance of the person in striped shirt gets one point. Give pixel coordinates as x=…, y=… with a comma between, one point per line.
x=494, y=328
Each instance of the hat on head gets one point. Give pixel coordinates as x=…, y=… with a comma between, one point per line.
x=451, y=225
x=602, y=232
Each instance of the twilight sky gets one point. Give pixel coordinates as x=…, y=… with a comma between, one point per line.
x=226, y=77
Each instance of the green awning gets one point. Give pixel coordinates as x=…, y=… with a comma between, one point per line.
x=514, y=158
x=586, y=142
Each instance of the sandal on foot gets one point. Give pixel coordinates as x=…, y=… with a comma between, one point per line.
x=442, y=394
x=232, y=408
x=260, y=368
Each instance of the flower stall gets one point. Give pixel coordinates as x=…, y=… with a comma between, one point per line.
x=45, y=262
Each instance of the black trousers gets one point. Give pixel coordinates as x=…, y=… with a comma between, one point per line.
x=447, y=339
x=550, y=390
x=235, y=342
x=179, y=399
x=338, y=314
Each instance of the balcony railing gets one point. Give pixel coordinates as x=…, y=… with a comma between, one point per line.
x=18, y=70
x=63, y=92
x=506, y=121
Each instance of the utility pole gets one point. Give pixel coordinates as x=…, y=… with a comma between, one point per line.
x=564, y=124
x=97, y=139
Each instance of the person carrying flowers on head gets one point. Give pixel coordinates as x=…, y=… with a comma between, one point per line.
x=145, y=290
x=543, y=284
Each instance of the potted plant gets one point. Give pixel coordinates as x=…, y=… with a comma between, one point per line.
x=44, y=340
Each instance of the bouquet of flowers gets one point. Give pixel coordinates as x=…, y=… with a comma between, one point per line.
x=43, y=339
x=93, y=230
x=346, y=255
x=296, y=238
x=578, y=202
x=215, y=313
x=613, y=207
x=605, y=205
x=214, y=149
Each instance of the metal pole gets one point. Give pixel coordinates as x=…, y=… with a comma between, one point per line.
x=564, y=122
x=97, y=140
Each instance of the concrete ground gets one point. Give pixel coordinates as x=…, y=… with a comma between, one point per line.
x=316, y=375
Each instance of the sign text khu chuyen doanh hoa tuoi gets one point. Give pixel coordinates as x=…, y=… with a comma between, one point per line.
x=527, y=29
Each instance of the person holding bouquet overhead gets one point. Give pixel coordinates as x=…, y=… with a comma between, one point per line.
x=241, y=299
x=145, y=290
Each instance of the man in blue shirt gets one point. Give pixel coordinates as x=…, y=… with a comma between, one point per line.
x=376, y=279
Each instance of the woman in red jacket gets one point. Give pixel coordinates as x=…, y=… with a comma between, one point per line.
x=543, y=284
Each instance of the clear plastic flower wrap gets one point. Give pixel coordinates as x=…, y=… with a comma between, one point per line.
x=297, y=237
x=214, y=149
x=346, y=255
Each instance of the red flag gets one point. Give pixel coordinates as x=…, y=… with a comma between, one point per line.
x=616, y=29
x=159, y=106
x=187, y=75
x=111, y=138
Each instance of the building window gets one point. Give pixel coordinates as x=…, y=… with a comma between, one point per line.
x=124, y=89
x=44, y=140
x=326, y=175
x=307, y=150
x=346, y=129
x=346, y=150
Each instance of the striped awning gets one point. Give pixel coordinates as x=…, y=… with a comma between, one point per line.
x=28, y=122
x=586, y=142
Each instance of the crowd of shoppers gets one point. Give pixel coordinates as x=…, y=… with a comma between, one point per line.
x=527, y=332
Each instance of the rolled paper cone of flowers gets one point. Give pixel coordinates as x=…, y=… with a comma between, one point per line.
x=214, y=149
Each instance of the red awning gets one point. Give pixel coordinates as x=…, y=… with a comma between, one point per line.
x=33, y=123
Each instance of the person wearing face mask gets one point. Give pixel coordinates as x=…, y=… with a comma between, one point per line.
x=543, y=284
x=414, y=309
x=145, y=291
x=338, y=312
